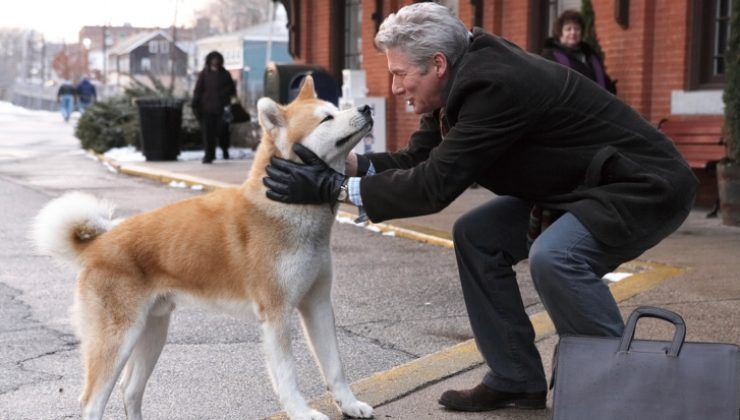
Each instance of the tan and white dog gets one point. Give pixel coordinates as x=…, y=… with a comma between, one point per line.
x=233, y=249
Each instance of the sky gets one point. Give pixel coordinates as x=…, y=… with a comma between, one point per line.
x=61, y=20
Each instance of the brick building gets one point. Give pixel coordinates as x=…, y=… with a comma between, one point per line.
x=665, y=54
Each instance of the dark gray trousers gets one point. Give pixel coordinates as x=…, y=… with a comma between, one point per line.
x=566, y=263
x=214, y=128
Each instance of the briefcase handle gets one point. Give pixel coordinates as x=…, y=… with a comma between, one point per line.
x=653, y=312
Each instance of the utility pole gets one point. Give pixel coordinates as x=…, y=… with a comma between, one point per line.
x=43, y=59
x=173, y=52
x=268, y=50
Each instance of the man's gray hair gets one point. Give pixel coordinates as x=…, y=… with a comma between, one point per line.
x=422, y=29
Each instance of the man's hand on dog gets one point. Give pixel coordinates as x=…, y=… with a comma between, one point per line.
x=311, y=182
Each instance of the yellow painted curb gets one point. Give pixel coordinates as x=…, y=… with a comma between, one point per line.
x=160, y=175
x=404, y=233
x=401, y=380
x=167, y=177
x=650, y=275
x=392, y=384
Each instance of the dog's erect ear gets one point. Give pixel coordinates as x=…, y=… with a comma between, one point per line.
x=270, y=114
x=307, y=90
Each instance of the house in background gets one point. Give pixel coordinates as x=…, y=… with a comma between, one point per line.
x=246, y=53
x=667, y=55
x=147, y=53
x=98, y=40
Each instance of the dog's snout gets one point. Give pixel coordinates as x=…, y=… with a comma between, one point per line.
x=365, y=109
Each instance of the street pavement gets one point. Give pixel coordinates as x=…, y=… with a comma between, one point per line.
x=694, y=272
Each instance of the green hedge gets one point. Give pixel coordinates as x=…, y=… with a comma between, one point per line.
x=108, y=124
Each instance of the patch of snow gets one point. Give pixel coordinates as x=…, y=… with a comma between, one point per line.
x=617, y=276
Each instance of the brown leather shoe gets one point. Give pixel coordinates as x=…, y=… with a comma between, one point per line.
x=483, y=398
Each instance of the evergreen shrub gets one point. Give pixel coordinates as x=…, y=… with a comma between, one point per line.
x=108, y=124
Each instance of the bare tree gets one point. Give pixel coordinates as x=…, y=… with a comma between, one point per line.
x=71, y=62
x=233, y=15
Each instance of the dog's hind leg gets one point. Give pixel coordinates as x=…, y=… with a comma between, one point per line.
x=317, y=316
x=106, y=343
x=281, y=367
x=144, y=356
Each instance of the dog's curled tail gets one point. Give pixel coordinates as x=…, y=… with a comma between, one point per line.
x=66, y=225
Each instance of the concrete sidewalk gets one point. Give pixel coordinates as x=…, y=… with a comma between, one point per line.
x=694, y=272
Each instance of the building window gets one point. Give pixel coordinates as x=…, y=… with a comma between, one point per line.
x=159, y=47
x=293, y=7
x=477, y=9
x=711, y=35
x=541, y=19
x=146, y=65
x=353, y=34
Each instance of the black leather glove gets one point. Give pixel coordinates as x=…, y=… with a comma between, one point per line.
x=311, y=183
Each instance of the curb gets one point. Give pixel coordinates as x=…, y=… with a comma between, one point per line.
x=403, y=232
x=160, y=175
x=395, y=383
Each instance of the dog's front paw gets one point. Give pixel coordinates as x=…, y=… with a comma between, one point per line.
x=357, y=410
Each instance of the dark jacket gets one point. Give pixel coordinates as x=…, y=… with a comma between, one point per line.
x=65, y=89
x=523, y=126
x=86, y=91
x=583, y=59
x=213, y=89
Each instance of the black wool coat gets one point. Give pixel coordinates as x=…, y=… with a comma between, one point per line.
x=213, y=91
x=523, y=126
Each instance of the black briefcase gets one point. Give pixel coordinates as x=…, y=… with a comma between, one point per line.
x=623, y=378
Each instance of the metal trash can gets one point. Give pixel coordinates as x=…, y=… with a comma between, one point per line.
x=283, y=81
x=161, y=121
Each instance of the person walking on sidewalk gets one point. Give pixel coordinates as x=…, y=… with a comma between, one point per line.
x=544, y=139
x=213, y=94
x=66, y=99
x=86, y=94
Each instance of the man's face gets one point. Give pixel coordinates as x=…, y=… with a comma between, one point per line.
x=423, y=91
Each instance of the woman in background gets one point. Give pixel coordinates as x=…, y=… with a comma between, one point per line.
x=568, y=48
x=213, y=93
